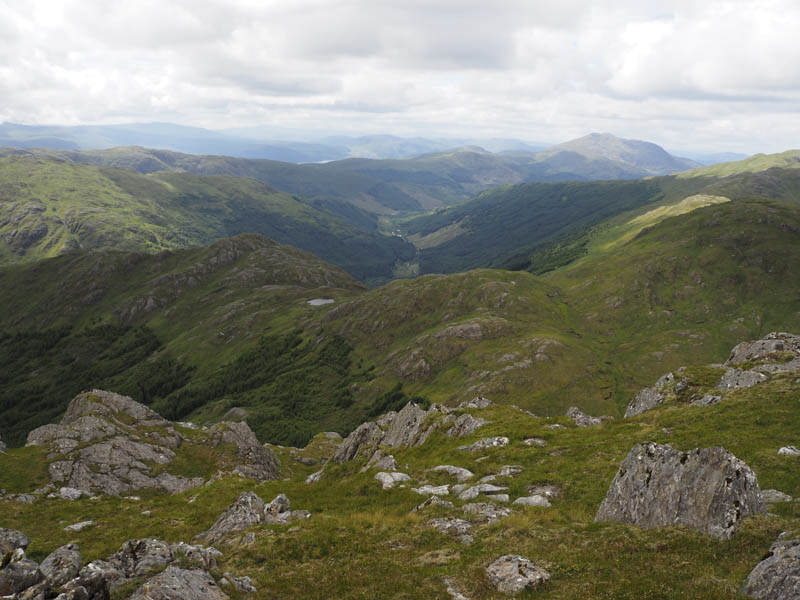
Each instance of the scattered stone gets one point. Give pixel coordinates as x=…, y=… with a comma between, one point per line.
x=735, y=379
x=512, y=573
x=458, y=528
x=707, y=489
x=774, y=497
x=175, y=583
x=465, y=425
x=11, y=539
x=534, y=442
x=452, y=590
x=581, y=419
x=535, y=500
x=484, y=488
x=432, y=490
x=479, y=402
x=706, y=400
x=389, y=480
x=247, y=510
x=650, y=397
x=459, y=473
x=486, y=443
x=433, y=501
x=486, y=512
x=547, y=490
x=460, y=487
x=556, y=426
x=510, y=471
x=789, y=451
x=777, y=577
x=79, y=526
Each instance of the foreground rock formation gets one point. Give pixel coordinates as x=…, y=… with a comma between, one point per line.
x=777, y=577
x=109, y=444
x=707, y=489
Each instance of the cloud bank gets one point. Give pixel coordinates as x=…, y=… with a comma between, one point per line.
x=717, y=75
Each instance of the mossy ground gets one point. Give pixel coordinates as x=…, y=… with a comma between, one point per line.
x=363, y=542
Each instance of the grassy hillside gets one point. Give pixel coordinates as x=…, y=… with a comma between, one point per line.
x=148, y=325
x=49, y=206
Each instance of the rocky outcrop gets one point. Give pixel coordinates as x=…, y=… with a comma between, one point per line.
x=257, y=462
x=175, y=583
x=11, y=539
x=108, y=443
x=650, y=397
x=707, y=489
x=581, y=419
x=405, y=426
x=474, y=491
x=511, y=573
x=463, y=425
x=364, y=438
x=247, y=510
x=535, y=500
x=777, y=577
x=735, y=379
x=773, y=347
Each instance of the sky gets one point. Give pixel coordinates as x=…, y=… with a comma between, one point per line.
x=709, y=76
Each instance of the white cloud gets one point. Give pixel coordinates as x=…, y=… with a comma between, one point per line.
x=716, y=75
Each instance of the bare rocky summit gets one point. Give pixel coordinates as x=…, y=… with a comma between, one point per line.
x=707, y=489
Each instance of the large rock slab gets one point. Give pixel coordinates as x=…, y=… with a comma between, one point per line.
x=735, y=379
x=460, y=473
x=247, y=510
x=777, y=577
x=405, y=426
x=363, y=439
x=511, y=573
x=707, y=489
x=775, y=346
x=463, y=425
x=175, y=583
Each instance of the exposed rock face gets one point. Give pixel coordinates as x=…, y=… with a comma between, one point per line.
x=464, y=425
x=114, y=457
x=405, y=426
x=11, y=539
x=581, y=419
x=650, y=397
x=247, y=510
x=772, y=347
x=777, y=577
x=259, y=463
x=734, y=379
x=364, y=438
x=180, y=584
x=512, y=573
x=707, y=489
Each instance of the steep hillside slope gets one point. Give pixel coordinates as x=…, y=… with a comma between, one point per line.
x=50, y=206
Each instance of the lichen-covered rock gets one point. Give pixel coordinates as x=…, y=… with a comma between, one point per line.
x=364, y=438
x=581, y=419
x=247, y=510
x=486, y=512
x=775, y=346
x=535, y=500
x=707, y=489
x=464, y=425
x=486, y=443
x=461, y=474
x=650, y=397
x=11, y=539
x=18, y=573
x=259, y=463
x=512, y=573
x=405, y=426
x=61, y=565
x=389, y=480
x=140, y=557
x=175, y=583
x=777, y=577
x=735, y=379
x=432, y=490
x=458, y=528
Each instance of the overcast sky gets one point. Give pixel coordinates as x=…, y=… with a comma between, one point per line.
x=697, y=75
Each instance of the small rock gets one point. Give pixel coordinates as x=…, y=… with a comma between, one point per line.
x=389, y=480
x=735, y=379
x=581, y=419
x=316, y=476
x=789, y=451
x=487, y=479
x=247, y=510
x=774, y=496
x=433, y=501
x=465, y=425
x=650, y=397
x=535, y=500
x=483, y=488
x=61, y=565
x=79, y=526
x=706, y=400
x=486, y=443
x=777, y=577
x=68, y=493
x=556, y=426
x=11, y=539
x=458, y=528
x=20, y=573
x=242, y=584
x=459, y=473
x=534, y=442
x=510, y=471
x=547, y=490
x=272, y=511
x=479, y=402
x=306, y=460
x=432, y=490
x=452, y=590
x=486, y=512
x=504, y=498
x=512, y=573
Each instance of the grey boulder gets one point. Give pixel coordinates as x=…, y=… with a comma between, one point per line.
x=175, y=583
x=777, y=577
x=650, y=397
x=707, y=489
x=464, y=425
x=247, y=510
x=581, y=419
x=511, y=573
x=11, y=539
x=769, y=348
x=735, y=379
